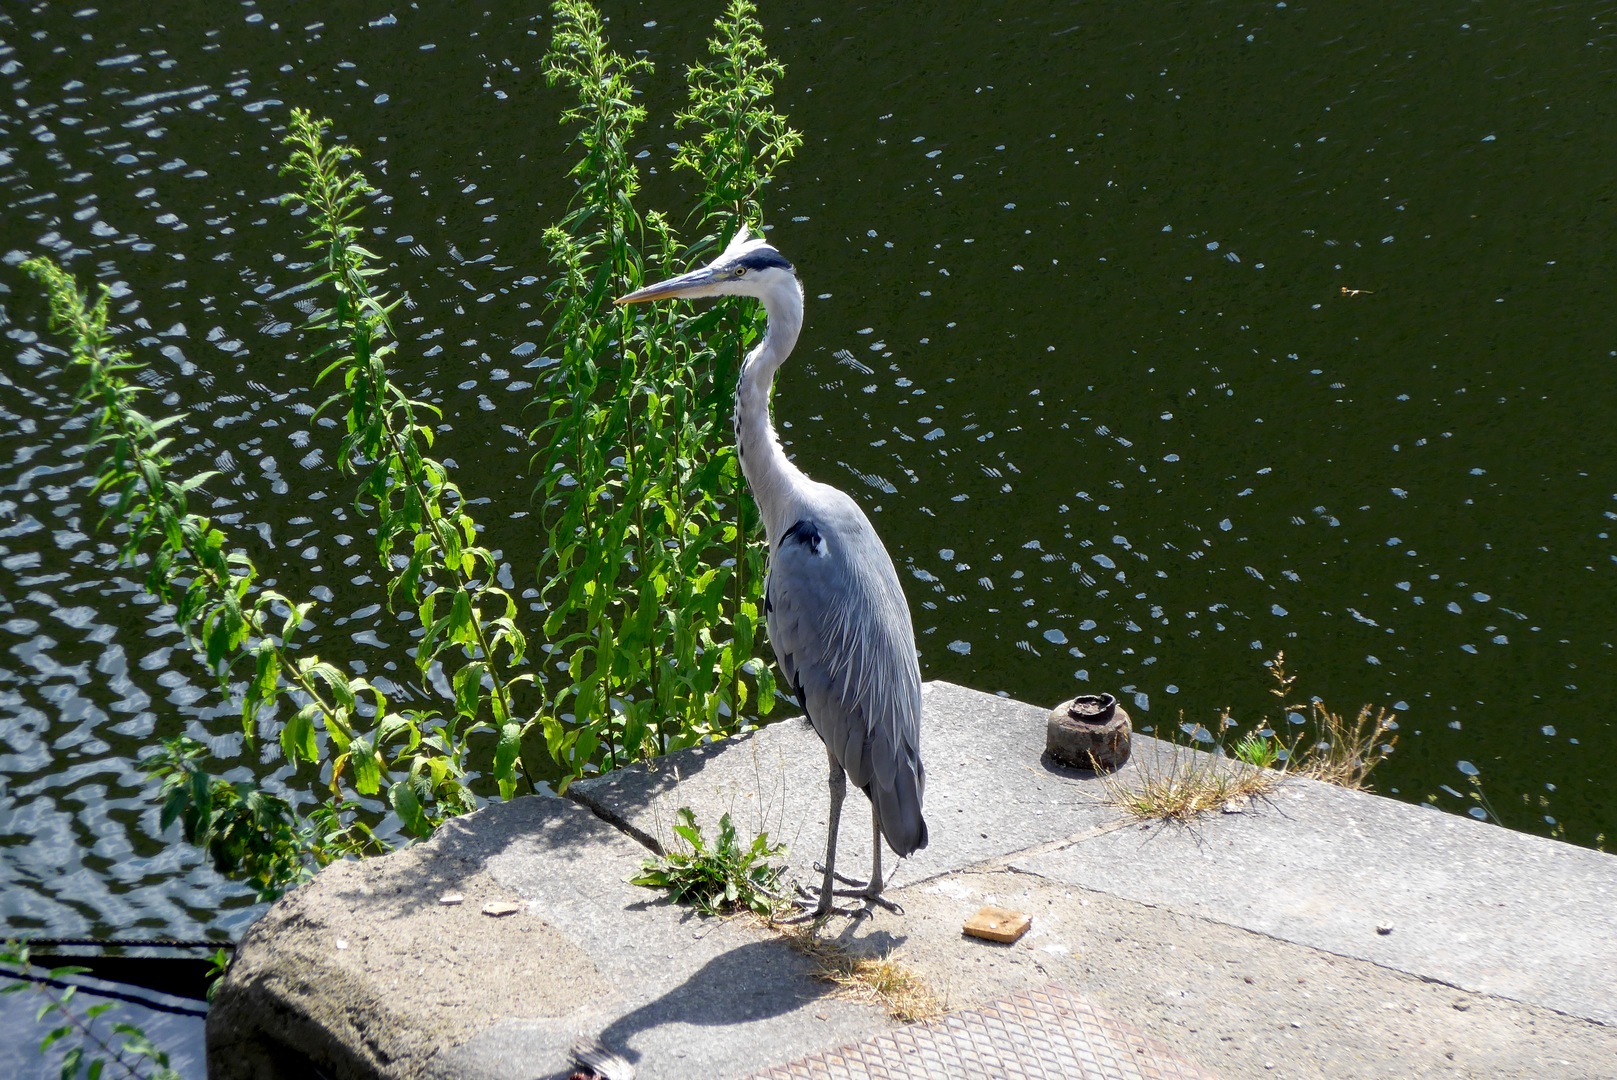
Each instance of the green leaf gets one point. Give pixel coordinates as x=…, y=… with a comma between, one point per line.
x=507, y=755
x=402, y=797
x=263, y=689
x=461, y=628
x=367, y=769
x=314, y=667
x=468, y=686
x=298, y=736
x=178, y=799
x=766, y=689
x=199, y=479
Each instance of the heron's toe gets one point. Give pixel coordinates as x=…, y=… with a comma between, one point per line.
x=819, y=868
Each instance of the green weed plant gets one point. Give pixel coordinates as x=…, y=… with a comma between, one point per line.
x=719, y=878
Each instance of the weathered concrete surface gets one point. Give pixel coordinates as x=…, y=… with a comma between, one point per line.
x=1470, y=904
x=1237, y=1003
x=1432, y=894
x=1247, y=942
x=364, y=973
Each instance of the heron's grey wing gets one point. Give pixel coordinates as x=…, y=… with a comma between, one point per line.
x=841, y=631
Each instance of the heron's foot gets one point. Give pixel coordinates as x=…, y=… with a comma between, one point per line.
x=816, y=905
x=871, y=900
x=812, y=907
x=861, y=889
x=811, y=914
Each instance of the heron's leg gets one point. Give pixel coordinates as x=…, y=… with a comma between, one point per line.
x=862, y=887
x=873, y=890
x=839, y=790
x=869, y=890
x=824, y=903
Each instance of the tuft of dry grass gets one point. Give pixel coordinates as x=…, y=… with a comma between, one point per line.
x=1342, y=752
x=1346, y=751
x=898, y=989
x=1327, y=747
x=1193, y=783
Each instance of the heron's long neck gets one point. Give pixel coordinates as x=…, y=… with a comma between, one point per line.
x=763, y=462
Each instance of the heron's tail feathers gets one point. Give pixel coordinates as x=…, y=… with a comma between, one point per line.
x=899, y=810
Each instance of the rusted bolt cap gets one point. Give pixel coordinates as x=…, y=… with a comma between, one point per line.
x=1092, y=708
x=1090, y=732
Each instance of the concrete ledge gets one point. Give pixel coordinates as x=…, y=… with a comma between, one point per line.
x=1247, y=942
x=1432, y=894
x=1468, y=903
x=364, y=973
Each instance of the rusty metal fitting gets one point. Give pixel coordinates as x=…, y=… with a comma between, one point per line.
x=1091, y=732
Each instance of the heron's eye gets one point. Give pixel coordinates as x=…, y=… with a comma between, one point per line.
x=741, y=271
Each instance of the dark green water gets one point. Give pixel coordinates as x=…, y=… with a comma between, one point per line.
x=1160, y=337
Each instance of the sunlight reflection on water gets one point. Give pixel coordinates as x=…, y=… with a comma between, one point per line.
x=1151, y=353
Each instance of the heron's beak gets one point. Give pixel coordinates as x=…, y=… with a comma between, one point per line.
x=695, y=283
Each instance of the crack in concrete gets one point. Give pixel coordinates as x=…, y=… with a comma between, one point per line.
x=1008, y=862
x=617, y=821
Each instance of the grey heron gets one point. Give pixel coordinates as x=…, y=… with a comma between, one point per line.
x=833, y=607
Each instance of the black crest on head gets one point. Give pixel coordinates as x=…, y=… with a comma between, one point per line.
x=763, y=257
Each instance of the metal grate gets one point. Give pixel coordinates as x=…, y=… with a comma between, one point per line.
x=1045, y=1034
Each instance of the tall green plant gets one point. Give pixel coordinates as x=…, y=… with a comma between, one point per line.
x=211, y=592
x=652, y=584
x=248, y=635
x=425, y=538
x=737, y=138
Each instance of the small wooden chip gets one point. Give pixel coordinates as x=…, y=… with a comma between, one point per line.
x=500, y=908
x=451, y=899
x=998, y=924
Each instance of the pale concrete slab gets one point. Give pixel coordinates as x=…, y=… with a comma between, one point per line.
x=1463, y=902
x=1235, y=1002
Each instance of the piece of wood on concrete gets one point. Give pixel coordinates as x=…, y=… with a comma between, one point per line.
x=998, y=924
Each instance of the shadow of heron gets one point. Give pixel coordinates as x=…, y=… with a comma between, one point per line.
x=755, y=982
